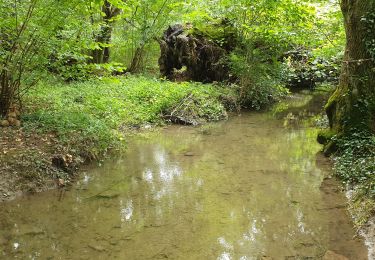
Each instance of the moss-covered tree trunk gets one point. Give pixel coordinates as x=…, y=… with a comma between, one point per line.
x=352, y=106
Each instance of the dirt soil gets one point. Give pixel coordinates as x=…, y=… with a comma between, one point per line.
x=26, y=162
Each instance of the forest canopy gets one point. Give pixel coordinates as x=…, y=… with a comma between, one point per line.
x=78, y=39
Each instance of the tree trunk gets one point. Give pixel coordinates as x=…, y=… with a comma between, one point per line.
x=137, y=60
x=102, y=55
x=6, y=94
x=97, y=56
x=9, y=92
x=352, y=106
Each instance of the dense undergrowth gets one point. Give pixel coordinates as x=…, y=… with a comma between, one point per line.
x=91, y=117
x=355, y=165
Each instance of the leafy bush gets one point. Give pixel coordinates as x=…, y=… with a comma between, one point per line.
x=69, y=65
x=258, y=79
x=75, y=67
x=355, y=165
x=106, y=69
x=303, y=70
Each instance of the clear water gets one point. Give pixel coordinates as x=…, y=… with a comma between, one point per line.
x=254, y=187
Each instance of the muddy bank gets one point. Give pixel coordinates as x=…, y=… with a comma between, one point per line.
x=368, y=232
x=359, y=209
x=82, y=121
x=25, y=162
x=32, y=162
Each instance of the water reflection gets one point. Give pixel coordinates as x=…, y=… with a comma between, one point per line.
x=251, y=189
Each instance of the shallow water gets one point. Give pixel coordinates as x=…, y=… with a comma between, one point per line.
x=254, y=187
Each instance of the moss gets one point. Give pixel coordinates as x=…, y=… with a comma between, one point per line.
x=330, y=148
x=330, y=107
x=222, y=33
x=346, y=110
x=328, y=138
x=325, y=136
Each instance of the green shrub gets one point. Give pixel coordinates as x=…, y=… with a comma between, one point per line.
x=304, y=70
x=258, y=79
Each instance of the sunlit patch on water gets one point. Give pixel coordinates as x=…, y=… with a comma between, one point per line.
x=16, y=246
x=127, y=211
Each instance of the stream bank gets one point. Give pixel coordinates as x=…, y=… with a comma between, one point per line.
x=67, y=125
x=178, y=192
x=29, y=166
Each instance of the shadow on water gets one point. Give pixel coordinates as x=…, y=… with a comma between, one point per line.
x=253, y=187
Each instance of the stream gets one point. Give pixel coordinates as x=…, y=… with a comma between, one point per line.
x=253, y=187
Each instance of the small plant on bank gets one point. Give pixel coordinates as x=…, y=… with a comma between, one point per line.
x=259, y=83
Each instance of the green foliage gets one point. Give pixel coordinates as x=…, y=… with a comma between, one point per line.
x=23, y=31
x=140, y=24
x=90, y=116
x=266, y=30
x=106, y=69
x=304, y=70
x=369, y=21
x=222, y=32
x=69, y=66
x=355, y=160
x=271, y=20
x=75, y=67
x=327, y=35
x=259, y=80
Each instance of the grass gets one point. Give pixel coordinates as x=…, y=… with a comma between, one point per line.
x=90, y=117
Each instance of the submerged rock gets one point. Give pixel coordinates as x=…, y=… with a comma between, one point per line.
x=189, y=154
x=330, y=255
x=96, y=247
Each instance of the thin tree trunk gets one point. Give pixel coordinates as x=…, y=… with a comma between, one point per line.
x=107, y=40
x=137, y=60
x=97, y=56
x=102, y=55
x=5, y=94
